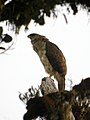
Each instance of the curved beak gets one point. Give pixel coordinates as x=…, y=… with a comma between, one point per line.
x=28, y=36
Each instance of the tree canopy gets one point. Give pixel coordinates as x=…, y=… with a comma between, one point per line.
x=21, y=12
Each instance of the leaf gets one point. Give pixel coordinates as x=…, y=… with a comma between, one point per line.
x=1, y=30
x=2, y=48
x=7, y=38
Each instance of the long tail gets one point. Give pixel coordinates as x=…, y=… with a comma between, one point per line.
x=61, y=81
x=61, y=84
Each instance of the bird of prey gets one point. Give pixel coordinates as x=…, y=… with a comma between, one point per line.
x=51, y=57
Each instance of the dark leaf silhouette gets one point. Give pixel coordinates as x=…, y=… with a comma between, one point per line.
x=21, y=12
x=1, y=31
x=2, y=48
x=7, y=38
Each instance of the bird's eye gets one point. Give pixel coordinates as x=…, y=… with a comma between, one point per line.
x=44, y=79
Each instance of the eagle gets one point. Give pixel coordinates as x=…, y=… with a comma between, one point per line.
x=51, y=57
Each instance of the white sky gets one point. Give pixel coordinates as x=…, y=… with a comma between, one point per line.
x=20, y=68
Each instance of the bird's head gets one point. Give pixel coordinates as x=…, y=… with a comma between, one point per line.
x=36, y=37
x=33, y=36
